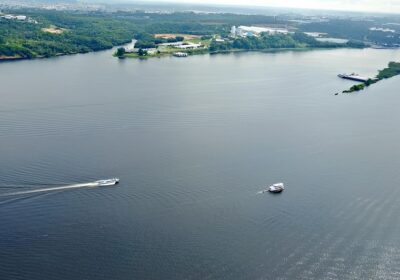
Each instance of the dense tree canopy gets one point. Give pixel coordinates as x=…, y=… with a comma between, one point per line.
x=275, y=41
x=91, y=31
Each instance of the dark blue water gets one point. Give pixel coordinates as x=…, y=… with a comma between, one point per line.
x=193, y=140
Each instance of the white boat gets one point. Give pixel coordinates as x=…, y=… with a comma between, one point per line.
x=107, y=182
x=276, y=188
x=353, y=77
x=180, y=54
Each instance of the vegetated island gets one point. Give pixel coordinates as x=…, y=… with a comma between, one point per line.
x=392, y=70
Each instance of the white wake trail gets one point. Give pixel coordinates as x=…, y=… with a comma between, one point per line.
x=74, y=186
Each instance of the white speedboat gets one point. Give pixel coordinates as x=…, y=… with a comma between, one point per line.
x=107, y=182
x=276, y=188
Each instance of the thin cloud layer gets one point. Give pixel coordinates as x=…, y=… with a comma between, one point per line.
x=390, y=6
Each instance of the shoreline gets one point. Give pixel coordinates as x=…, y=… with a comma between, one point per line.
x=10, y=59
x=272, y=50
x=202, y=52
x=16, y=58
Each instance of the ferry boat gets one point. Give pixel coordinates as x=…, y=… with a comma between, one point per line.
x=353, y=77
x=107, y=182
x=276, y=188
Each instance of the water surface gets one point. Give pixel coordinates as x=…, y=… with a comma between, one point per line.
x=193, y=141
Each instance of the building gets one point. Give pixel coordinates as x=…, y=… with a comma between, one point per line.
x=151, y=50
x=20, y=17
x=233, y=31
x=189, y=46
x=173, y=44
x=249, y=31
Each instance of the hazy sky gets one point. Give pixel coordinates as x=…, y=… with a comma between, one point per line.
x=392, y=6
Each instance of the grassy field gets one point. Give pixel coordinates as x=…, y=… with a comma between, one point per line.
x=173, y=35
x=163, y=50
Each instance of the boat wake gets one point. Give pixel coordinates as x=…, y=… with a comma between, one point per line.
x=74, y=186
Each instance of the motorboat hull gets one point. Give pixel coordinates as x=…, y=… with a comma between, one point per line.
x=276, y=188
x=276, y=191
x=108, y=182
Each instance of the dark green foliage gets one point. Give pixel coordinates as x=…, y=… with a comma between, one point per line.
x=347, y=29
x=142, y=52
x=145, y=40
x=206, y=37
x=355, y=30
x=145, y=44
x=272, y=41
x=220, y=46
x=92, y=31
x=392, y=70
x=143, y=36
x=370, y=82
x=120, y=52
x=355, y=88
x=83, y=33
x=355, y=44
x=358, y=87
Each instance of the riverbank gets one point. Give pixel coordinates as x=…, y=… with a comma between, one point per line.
x=19, y=58
x=9, y=58
x=206, y=51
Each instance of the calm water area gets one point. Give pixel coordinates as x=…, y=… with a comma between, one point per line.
x=193, y=140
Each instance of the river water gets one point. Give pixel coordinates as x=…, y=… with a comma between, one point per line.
x=193, y=140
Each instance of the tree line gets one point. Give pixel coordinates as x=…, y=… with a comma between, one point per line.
x=276, y=41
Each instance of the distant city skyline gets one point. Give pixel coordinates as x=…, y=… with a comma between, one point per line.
x=383, y=6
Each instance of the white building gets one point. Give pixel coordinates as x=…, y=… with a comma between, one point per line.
x=174, y=44
x=13, y=17
x=233, y=31
x=151, y=50
x=21, y=17
x=189, y=46
x=247, y=31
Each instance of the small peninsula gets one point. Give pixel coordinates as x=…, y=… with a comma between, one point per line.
x=392, y=70
x=242, y=38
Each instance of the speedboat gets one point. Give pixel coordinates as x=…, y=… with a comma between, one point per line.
x=107, y=182
x=276, y=188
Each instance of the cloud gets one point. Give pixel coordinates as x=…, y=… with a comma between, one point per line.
x=392, y=6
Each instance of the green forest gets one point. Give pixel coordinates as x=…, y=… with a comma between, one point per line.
x=277, y=41
x=92, y=31
x=358, y=30
x=81, y=32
